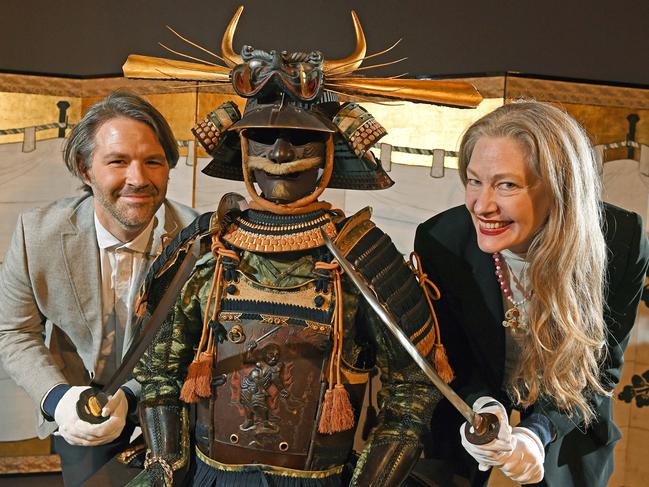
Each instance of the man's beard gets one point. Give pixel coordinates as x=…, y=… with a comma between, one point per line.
x=121, y=213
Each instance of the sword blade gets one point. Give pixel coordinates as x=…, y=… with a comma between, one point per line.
x=388, y=318
x=149, y=330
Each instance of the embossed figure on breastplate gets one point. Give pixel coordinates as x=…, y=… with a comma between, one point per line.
x=270, y=343
x=261, y=388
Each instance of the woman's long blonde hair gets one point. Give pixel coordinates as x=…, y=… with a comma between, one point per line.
x=567, y=257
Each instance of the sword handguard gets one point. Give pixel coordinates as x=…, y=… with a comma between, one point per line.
x=89, y=406
x=485, y=431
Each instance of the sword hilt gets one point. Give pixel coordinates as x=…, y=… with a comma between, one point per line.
x=483, y=429
x=89, y=406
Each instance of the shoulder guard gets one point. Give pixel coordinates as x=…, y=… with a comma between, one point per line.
x=166, y=264
x=374, y=255
x=352, y=229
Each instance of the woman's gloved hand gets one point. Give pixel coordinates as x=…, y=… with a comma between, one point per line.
x=490, y=454
x=518, y=452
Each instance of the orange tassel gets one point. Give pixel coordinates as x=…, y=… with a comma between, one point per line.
x=337, y=413
x=443, y=367
x=204, y=375
x=188, y=392
x=198, y=382
x=431, y=292
x=325, y=426
x=342, y=412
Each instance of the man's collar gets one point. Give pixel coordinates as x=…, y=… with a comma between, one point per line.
x=107, y=240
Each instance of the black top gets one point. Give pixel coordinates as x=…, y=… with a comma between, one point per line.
x=470, y=313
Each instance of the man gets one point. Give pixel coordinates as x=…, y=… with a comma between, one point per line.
x=71, y=275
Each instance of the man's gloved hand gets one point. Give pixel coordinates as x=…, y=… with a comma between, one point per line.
x=78, y=432
x=518, y=452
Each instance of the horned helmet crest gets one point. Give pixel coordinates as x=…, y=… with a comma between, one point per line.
x=298, y=91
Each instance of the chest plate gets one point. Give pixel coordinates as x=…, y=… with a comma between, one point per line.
x=268, y=375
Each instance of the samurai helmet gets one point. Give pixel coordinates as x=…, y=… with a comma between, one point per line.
x=298, y=91
x=286, y=91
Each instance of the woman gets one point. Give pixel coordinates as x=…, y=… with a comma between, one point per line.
x=540, y=283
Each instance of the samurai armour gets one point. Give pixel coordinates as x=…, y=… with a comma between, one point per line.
x=273, y=335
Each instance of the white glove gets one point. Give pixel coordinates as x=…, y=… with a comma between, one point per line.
x=517, y=451
x=494, y=452
x=525, y=464
x=79, y=432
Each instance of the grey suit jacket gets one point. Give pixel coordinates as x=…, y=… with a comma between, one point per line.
x=50, y=296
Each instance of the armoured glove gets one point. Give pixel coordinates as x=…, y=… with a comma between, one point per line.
x=166, y=434
x=78, y=432
x=518, y=452
x=387, y=463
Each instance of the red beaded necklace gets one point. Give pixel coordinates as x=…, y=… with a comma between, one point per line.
x=516, y=316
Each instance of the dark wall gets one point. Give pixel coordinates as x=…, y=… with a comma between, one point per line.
x=594, y=40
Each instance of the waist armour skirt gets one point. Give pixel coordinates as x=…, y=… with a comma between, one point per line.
x=204, y=475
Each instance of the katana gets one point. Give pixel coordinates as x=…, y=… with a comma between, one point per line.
x=92, y=401
x=481, y=428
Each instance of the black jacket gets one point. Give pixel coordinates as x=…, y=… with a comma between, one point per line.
x=470, y=312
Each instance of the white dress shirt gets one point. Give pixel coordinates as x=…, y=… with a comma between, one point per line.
x=123, y=268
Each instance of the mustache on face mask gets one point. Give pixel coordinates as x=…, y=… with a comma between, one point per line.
x=281, y=169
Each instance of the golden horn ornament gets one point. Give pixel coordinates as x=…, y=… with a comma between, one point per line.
x=137, y=66
x=352, y=62
x=231, y=57
x=246, y=78
x=440, y=92
x=303, y=82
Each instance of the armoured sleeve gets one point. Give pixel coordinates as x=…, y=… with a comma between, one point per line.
x=406, y=401
x=161, y=372
x=407, y=397
x=163, y=367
